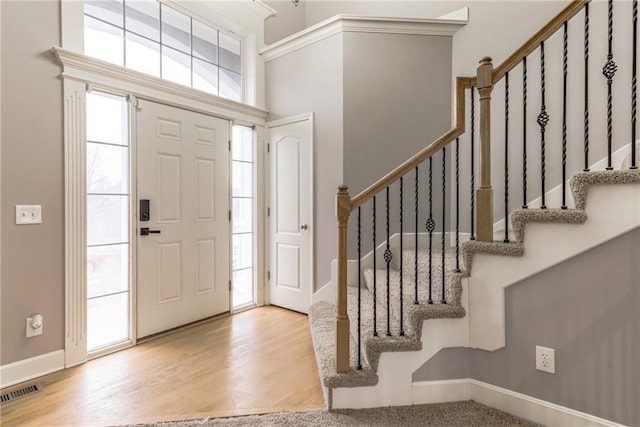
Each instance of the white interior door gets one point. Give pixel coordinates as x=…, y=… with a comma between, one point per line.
x=291, y=228
x=183, y=263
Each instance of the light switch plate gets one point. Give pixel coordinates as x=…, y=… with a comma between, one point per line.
x=28, y=214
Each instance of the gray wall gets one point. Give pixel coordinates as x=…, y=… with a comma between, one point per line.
x=311, y=80
x=289, y=20
x=587, y=310
x=397, y=100
x=32, y=173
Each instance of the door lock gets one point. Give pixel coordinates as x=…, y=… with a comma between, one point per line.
x=144, y=231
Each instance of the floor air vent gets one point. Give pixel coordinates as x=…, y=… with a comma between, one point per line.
x=21, y=392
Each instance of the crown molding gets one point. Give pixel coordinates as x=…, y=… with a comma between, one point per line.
x=361, y=24
x=93, y=71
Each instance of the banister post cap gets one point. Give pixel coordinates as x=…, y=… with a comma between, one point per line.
x=485, y=60
x=343, y=188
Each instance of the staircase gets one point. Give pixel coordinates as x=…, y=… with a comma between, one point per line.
x=436, y=290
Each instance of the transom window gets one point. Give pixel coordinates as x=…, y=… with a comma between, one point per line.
x=155, y=39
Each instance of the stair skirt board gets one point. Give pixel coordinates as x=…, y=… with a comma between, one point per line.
x=486, y=288
x=518, y=404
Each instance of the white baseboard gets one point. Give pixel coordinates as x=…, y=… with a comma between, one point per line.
x=326, y=293
x=441, y=391
x=511, y=402
x=25, y=370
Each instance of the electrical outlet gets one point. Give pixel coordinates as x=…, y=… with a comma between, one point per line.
x=34, y=325
x=546, y=359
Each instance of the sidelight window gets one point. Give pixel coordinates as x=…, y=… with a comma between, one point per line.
x=107, y=221
x=243, y=226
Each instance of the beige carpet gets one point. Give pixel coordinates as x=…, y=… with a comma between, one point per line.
x=467, y=413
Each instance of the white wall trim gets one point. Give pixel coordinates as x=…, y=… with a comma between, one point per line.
x=360, y=24
x=27, y=369
x=518, y=404
x=486, y=313
x=531, y=408
x=75, y=230
x=84, y=69
x=441, y=391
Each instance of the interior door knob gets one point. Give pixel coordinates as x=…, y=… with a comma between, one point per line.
x=303, y=226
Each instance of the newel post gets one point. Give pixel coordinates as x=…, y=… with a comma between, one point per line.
x=343, y=209
x=484, y=193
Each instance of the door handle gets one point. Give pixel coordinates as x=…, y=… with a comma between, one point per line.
x=144, y=231
x=303, y=226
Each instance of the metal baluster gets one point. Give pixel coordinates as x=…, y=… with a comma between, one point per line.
x=458, y=205
x=415, y=258
x=388, y=256
x=586, y=87
x=543, y=119
x=634, y=86
x=524, y=133
x=359, y=292
x=473, y=164
x=506, y=158
x=609, y=71
x=564, y=115
x=443, y=300
x=375, y=273
x=401, y=257
x=431, y=225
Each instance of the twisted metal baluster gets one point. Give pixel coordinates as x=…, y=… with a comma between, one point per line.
x=634, y=86
x=506, y=158
x=543, y=119
x=401, y=257
x=524, y=133
x=388, y=256
x=609, y=71
x=443, y=300
x=359, y=367
x=586, y=87
x=375, y=273
x=457, y=205
x=415, y=258
x=431, y=225
x=473, y=164
x=564, y=115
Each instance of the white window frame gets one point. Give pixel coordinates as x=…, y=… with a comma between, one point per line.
x=80, y=74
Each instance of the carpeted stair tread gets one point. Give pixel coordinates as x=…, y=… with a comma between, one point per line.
x=322, y=318
x=520, y=217
x=581, y=181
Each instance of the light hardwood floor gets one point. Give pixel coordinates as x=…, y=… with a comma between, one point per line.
x=257, y=361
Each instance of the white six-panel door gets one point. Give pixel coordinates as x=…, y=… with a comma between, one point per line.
x=291, y=193
x=183, y=263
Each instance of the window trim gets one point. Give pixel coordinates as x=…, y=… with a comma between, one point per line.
x=115, y=78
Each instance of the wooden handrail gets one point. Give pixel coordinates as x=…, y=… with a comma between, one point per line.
x=532, y=44
x=462, y=83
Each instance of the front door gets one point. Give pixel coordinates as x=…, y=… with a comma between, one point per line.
x=183, y=244
x=291, y=228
